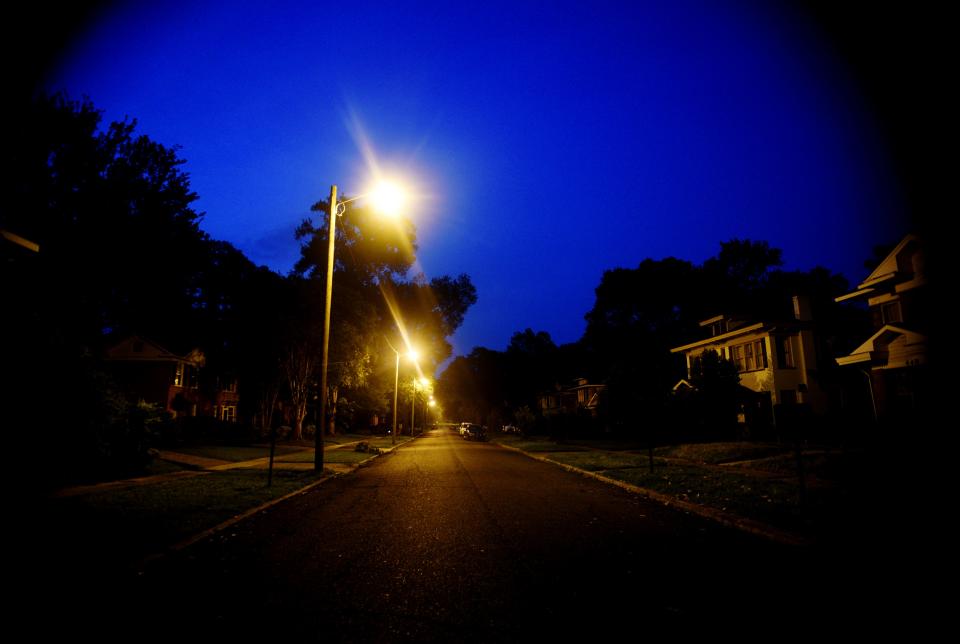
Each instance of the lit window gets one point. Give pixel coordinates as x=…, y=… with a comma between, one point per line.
x=178, y=375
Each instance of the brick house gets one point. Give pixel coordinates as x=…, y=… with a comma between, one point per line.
x=175, y=381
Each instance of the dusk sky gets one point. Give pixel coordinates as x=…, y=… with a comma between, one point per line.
x=548, y=141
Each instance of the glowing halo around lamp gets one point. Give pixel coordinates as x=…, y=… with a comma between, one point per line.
x=388, y=198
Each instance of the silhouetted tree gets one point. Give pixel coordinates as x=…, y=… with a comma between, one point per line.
x=120, y=251
x=373, y=298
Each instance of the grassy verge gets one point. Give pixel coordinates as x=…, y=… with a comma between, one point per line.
x=763, y=485
x=716, y=453
x=124, y=525
x=345, y=455
x=534, y=443
x=329, y=456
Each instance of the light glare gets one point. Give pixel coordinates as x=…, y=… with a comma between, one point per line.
x=388, y=198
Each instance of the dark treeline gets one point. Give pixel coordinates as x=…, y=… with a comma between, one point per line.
x=638, y=316
x=121, y=253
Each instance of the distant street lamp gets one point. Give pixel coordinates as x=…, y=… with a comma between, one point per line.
x=413, y=355
x=413, y=404
x=386, y=198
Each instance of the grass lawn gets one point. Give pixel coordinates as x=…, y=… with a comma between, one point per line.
x=771, y=501
x=762, y=486
x=716, y=453
x=384, y=441
x=124, y=525
x=159, y=466
x=534, y=443
x=835, y=465
x=595, y=461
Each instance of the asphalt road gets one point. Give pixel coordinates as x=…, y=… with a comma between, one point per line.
x=448, y=540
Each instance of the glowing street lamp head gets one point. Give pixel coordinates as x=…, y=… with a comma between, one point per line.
x=413, y=354
x=388, y=198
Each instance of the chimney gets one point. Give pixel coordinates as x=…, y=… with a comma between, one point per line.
x=801, y=308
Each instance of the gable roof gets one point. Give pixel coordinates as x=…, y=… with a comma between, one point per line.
x=136, y=348
x=878, y=343
x=723, y=337
x=890, y=268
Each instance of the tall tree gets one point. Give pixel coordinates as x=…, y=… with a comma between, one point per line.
x=373, y=297
x=119, y=250
x=112, y=213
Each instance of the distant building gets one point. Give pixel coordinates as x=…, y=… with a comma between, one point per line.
x=776, y=361
x=894, y=357
x=176, y=382
x=580, y=396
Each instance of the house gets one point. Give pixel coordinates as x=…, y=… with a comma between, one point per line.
x=176, y=382
x=775, y=359
x=894, y=357
x=580, y=396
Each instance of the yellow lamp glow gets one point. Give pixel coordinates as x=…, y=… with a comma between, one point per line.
x=388, y=198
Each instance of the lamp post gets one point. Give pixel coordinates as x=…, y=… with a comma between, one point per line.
x=318, y=435
x=413, y=405
x=396, y=387
x=387, y=198
x=413, y=355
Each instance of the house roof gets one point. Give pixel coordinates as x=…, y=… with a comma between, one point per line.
x=150, y=351
x=886, y=271
x=878, y=343
x=719, y=339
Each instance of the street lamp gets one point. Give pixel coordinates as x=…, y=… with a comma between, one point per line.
x=423, y=382
x=413, y=355
x=386, y=198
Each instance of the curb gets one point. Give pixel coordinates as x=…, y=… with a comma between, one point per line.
x=209, y=532
x=725, y=518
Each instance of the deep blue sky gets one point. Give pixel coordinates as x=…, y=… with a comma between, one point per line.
x=551, y=140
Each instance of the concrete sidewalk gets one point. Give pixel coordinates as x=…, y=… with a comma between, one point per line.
x=202, y=465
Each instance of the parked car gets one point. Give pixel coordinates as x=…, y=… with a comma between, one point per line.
x=463, y=428
x=510, y=429
x=475, y=432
